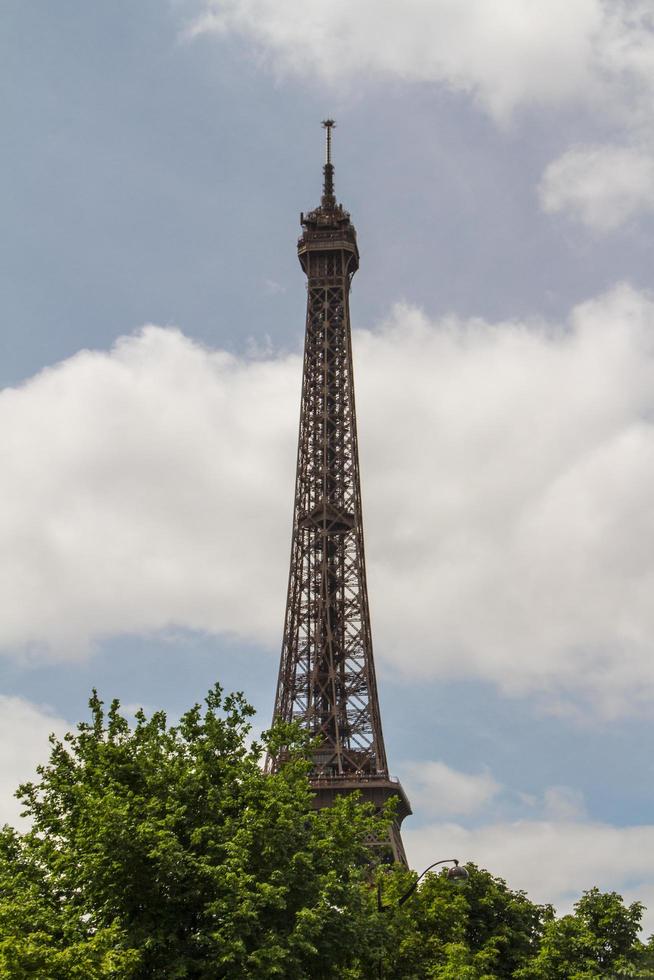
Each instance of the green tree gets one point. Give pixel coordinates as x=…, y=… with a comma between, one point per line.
x=644, y=967
x=600, y=939
x=160, y=850
x=482, y=931
x=164, y=851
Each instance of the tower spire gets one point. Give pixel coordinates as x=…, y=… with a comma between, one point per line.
x=327, y=673
x=328, y=199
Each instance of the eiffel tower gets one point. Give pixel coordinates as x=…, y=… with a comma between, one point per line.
x=327, y=672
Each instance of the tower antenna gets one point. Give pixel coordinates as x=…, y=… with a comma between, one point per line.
x=328, y=199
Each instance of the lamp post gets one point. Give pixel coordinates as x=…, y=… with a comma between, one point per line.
x=456, y=874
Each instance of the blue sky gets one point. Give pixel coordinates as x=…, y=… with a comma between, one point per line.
x=498, y=163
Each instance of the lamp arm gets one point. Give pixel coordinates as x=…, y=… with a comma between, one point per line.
x=415, y=884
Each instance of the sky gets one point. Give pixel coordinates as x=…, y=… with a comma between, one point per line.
x=498, y=163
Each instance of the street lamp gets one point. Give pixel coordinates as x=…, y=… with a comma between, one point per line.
x=456, y=874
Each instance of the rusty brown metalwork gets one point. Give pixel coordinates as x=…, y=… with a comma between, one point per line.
x=327, y=673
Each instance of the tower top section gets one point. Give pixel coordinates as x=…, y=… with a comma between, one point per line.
x=328, y=227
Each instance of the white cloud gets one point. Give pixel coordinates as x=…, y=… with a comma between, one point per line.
x=443, y=791
x=273, y=288
x=554, y=854
x=437, y=791
x=552, y=860
x=507, y=54
x=24, y=730
x=144, y=488
x=506, y=478
x=563, y=803
x=513, y=504
x=603, y=186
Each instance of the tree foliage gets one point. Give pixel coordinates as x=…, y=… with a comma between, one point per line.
x=599, y=940
x=159, y=850
x=164, y=851
x=486, y=931
x=481, y=931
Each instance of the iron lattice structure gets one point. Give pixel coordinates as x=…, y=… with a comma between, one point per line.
x=327, y=673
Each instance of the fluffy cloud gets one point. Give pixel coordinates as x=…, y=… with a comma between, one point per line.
x=513, y=504
x=24, y=730
x=593, y=55
x=508, y=54
x=552, y=860
x=554, y=852
x=506, y=478
x=603, y=186
x=146, y=487
x=437, y=791
x=442, y=791
x=563, y=803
